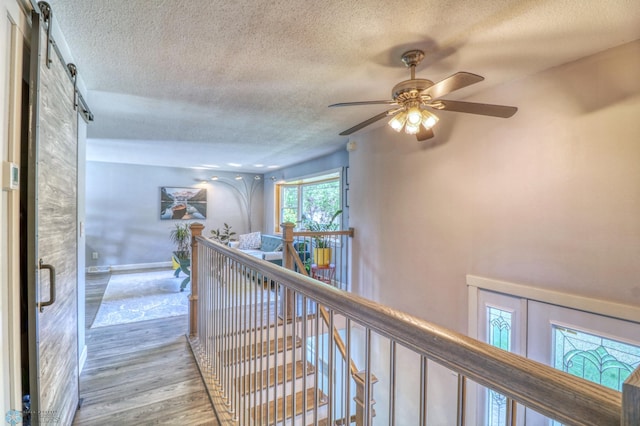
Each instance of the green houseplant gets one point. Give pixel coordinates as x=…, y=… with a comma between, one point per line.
x=223, y=236
x=180, y=235
x=322, y=252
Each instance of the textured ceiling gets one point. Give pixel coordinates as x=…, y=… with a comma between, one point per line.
x=204, y=83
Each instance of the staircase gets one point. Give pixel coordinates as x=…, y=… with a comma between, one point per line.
x=272, y=382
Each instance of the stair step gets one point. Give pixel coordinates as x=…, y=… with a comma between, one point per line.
x=276, y=411
x=253, y=351
x=260, y=379
x=259, y=330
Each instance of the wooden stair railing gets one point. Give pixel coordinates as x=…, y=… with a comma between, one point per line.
x=364, y=382
x=553, y=393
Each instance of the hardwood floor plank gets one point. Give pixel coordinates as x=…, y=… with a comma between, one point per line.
x=142, y=373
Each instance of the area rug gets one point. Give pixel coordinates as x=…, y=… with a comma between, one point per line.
x=95, y=285
x=141, y=296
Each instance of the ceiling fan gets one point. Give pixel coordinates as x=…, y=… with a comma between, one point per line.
x=412, y=99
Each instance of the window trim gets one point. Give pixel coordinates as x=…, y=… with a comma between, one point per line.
x=568, y=300
x=312, y=179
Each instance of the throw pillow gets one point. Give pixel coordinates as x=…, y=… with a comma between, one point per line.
x=251, y=241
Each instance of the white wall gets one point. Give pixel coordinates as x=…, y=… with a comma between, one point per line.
x=123, y=211
x=550, y=197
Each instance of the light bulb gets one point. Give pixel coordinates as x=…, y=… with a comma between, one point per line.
x=414, y=116
x=398, y=121
x=429, y=120
x=411, y=129
x=238, y=177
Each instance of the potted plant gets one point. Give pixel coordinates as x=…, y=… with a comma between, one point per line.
x=322, y=252
x=180, y=235
x=223, y=236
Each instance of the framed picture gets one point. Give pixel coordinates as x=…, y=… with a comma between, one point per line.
x=178, y=203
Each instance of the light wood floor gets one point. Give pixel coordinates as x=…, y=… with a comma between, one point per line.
x=142, y=373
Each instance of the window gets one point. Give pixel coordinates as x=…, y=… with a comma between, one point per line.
x=500, y=320
x=315, y=199
x=499, y=327
x=595, y=358
x=594, y=346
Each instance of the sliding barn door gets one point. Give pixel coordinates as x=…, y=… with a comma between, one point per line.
x=52, y=236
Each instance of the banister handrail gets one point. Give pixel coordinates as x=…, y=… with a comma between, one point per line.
x=348, y=232
x=297, y=260
x=551, y=392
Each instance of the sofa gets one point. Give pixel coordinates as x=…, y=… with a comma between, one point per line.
x=262, y=246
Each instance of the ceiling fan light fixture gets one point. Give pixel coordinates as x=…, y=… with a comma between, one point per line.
x=398, y=120
x=411, y=129
x=414, y=116
x=428, y=119
x=411, y=98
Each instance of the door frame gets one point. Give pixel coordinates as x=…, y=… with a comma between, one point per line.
x=14, y=33
x=552, y=297
x=527, y=293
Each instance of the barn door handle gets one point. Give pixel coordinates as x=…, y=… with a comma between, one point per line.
x=52, y=285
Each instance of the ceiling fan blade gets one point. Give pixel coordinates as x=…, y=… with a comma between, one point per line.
x=424, y=134
x=389, y=102
x=475, y=108
x=367, y=122
x=454, y=82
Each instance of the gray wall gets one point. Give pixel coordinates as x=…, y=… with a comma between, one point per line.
x=338, y=160
x=123, y=211
x=549, y=197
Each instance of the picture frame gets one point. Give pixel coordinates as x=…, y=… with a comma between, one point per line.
x=182, y=203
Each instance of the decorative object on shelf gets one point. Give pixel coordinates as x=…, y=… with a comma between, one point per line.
x=223, y=236
x=183, y=203
x=244, y=190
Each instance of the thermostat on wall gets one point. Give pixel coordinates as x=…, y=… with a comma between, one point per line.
x=10, y=176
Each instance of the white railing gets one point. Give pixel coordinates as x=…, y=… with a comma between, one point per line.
x=238, y=315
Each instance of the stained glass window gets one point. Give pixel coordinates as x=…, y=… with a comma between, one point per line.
x=499, y=335
x=595, y=358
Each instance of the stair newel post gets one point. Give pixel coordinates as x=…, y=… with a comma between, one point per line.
x=196, y=231
x=287, y=258
x=631, y=399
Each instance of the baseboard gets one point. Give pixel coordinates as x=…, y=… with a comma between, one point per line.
x=82, y=359
x=140, y=266
x=97, y=269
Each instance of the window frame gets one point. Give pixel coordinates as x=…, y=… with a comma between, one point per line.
x=335, y=175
